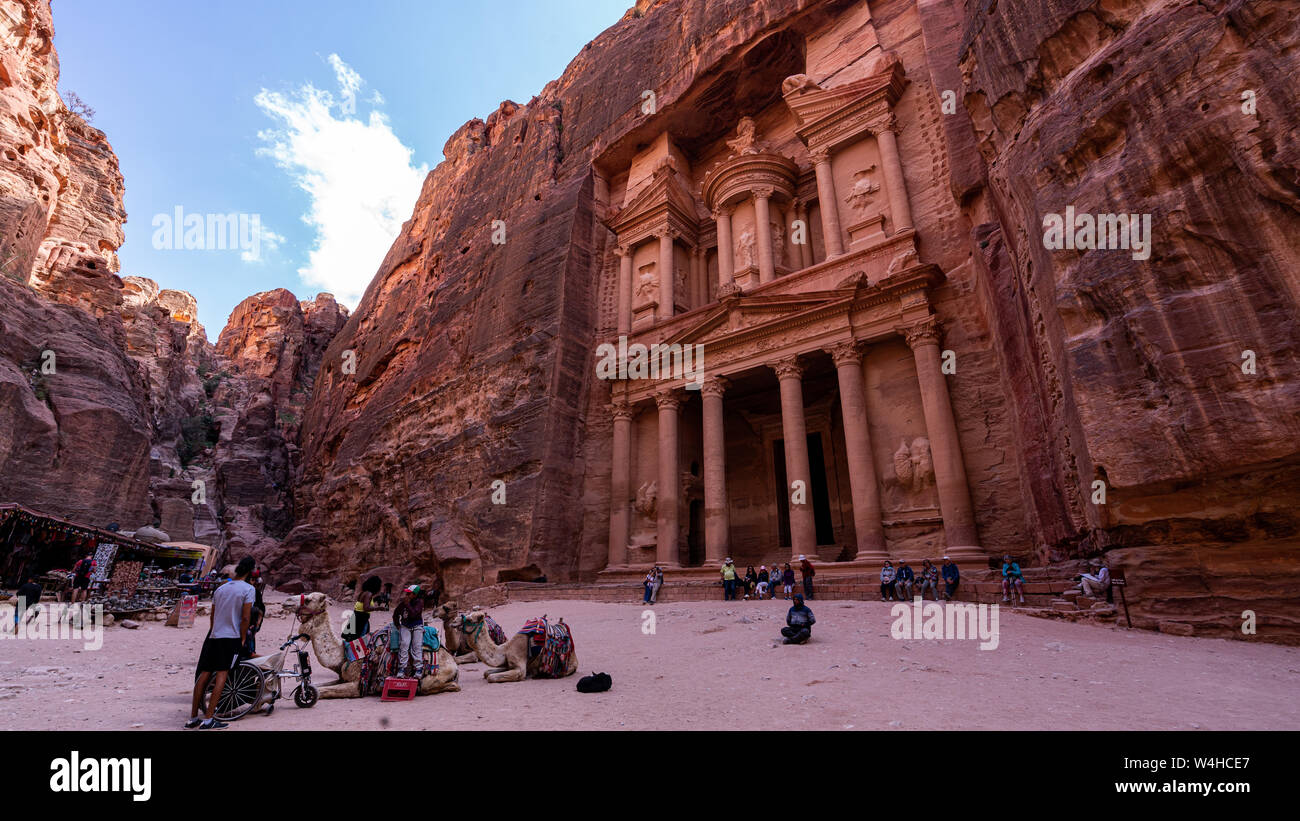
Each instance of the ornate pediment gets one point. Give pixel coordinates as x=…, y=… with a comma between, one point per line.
x=663, y=203
x=829, y=116
x=745, y=313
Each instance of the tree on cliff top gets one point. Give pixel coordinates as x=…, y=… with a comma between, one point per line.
x=78, y=106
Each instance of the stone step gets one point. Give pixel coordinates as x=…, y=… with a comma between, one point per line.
x=1063, y=604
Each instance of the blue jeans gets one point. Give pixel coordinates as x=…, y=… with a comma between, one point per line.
x=728, y=589
x=807, y=587
x=646, y=600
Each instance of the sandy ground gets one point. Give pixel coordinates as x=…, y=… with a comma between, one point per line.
x=716, y=665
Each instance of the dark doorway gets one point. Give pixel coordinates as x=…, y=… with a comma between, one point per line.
x=782, y=493
x=820, y=491
x=821, y=496
x=695, y=535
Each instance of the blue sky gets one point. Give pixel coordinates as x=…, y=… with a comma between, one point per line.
x=320, y=117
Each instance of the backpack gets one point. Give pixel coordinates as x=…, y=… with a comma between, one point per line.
x=595, y=683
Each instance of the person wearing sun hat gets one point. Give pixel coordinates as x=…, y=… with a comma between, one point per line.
x=728, y=580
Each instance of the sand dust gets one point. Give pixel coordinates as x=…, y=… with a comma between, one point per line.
x=716, y=665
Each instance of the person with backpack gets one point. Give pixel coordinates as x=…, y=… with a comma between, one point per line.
x=82, y=572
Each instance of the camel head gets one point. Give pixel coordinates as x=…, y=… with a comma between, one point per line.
x=446, y=611
x=309, y=606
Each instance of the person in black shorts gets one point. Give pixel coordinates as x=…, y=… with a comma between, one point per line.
x=81, y=573
x=232, y=610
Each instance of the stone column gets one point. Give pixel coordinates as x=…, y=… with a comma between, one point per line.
x=669, y=480
x=805, y=247
x=624, y=290
x=726, y=257
x=945, y=448
x=620, y=485
x=667, y=276
x=857, y=442
x=803, y=530
x=892, y=167
x=717, y=539
x=826, y=199
x=700, y=270
x=763, y=216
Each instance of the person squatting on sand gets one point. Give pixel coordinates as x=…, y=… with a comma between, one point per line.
x=798, y=622
x=232, y=609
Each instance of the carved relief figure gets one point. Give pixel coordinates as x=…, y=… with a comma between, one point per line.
x=647, y=285
x=778, y=242
x=913, y=465
x=743, y=142
x=747, y=256
x=863, y=187
x=903, y=260
x=646, y=496
x=799, y=82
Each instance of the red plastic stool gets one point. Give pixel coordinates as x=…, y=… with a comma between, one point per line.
x=399, y=689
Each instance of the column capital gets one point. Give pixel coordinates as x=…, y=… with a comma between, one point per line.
x=721, y=211
x=622, y=410
x=884, y=122
x=664, y=232
x=846, y=353
x=623, y=249
x=668, y=399
x=788, y=368
x=715, y=386
x=763, y=192
x=925, y=332
x=819, y=155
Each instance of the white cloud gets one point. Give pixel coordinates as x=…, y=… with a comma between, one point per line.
x=356, y=171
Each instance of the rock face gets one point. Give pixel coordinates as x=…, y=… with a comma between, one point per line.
x=1137, y=372
x=115, y=406
x=472, y=359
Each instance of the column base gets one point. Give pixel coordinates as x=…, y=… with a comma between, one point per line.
x=871, y=556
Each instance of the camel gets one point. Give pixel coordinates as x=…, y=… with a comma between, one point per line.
x=311, y=611
x=452, y=637
x=509, y=661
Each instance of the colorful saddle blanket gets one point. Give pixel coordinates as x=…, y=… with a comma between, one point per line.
x=553, y=642
x=495, y=631
x=380, y=659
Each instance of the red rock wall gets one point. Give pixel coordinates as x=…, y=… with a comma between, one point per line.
x=1129, y=371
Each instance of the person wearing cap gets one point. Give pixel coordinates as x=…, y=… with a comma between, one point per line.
x=408, y=616
x=951, y=578
x=1097, y=582
x=728, y=580
x=763, y=580
x=798, y=622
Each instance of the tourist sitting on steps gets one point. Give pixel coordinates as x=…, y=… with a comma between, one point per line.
x=929, y=579
x=887, y=581
x=951, y=578
x=799, y=621
x=1097, y=582
x=751, y=582
x=904, y=580
x=1012, y=579
x=763, y=581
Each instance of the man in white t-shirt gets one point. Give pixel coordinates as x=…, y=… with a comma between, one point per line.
x=232, y=608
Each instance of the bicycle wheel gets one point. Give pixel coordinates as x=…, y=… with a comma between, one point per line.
x=244, y=688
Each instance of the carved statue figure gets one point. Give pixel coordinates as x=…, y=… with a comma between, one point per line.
x=913, y=464
x=646, y=497
x=647, y=286
x=743, y=142
x=863, y=187
x=799, y=82
x=903, y=260
x=747, y=248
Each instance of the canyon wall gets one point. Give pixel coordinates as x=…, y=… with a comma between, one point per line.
x=113, y=403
